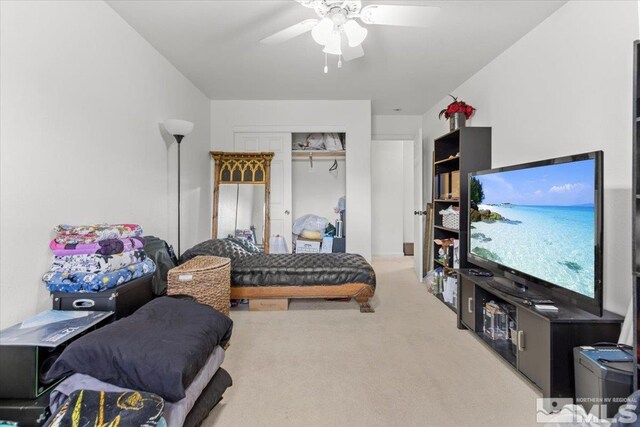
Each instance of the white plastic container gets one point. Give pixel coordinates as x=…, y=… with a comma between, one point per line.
x=278, y=245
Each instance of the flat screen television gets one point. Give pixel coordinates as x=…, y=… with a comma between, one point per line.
x=541, y=223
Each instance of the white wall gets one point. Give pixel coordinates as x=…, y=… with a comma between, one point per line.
x=395, y=127
x=566, y=88
x=82, y=97
x=387, y=200
x=315, y=190
x=407, y=187
x=352, y=117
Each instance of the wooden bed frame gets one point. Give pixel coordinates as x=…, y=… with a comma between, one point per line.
x=362, y=292
x=255, y=168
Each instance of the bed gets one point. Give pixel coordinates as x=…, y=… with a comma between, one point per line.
x=256, y=275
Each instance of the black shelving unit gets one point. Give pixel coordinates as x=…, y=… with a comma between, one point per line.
x=636, y=200
x=466, y=150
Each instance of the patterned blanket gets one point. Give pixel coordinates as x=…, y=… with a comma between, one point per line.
x=97, y=263
x=103, y=247
x=58, y=281
x=99, y=408
x=95, y=233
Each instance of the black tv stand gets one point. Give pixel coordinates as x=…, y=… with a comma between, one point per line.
x=517, y=290
x=540, y=343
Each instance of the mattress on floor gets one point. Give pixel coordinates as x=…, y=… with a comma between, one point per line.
x=174, y=413
x=211, y=395
x=301, y=270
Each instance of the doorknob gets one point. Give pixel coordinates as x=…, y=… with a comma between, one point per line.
x=287, y=212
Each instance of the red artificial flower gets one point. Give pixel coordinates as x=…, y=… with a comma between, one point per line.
x=457, y=107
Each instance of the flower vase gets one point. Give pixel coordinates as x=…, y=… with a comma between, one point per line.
x=457, y=121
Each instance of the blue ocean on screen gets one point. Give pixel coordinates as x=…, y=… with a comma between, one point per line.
x=545, y=223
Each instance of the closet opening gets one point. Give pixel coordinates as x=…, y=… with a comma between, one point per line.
x=318, y=183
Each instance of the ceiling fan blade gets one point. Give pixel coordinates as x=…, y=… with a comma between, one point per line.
x=290, y=32
x=406, y=16
x=349, y=53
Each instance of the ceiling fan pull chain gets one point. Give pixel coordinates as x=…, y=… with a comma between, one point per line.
x=326, y=67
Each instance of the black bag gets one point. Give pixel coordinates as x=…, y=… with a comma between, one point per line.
x=162, y=254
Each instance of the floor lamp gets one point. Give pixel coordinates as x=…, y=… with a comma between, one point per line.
x=178, y=128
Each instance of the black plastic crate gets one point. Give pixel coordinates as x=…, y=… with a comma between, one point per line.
x=123, y=300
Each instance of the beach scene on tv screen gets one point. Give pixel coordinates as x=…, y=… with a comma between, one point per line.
x=539, y=221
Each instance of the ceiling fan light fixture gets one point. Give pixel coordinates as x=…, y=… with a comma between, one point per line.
x=322, y=32
x=333, y=44
x=355, y=33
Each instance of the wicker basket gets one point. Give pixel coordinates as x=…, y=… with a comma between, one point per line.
x=206, y=278
x=451, y=218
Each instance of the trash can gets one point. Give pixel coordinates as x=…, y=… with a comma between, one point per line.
x=604, y=376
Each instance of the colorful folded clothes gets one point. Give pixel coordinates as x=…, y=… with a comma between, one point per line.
x=97, y=263
x=103, y=247
x=95, y=233
x=95, y=282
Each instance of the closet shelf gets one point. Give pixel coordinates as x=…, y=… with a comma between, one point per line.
x=304, y=154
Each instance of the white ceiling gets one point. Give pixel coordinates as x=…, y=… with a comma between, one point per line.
x=216, y=45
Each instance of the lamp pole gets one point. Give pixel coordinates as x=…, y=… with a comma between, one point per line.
x=179, y=140
x=178, y=128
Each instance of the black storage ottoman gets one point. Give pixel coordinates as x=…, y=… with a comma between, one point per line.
x=123, y=300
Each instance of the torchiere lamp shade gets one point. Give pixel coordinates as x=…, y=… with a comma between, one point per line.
x=178, y=127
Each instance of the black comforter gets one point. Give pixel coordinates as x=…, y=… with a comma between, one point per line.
x=159, y=349
x=259, y=269
x=301, y=270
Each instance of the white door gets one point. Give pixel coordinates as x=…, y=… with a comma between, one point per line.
x=280, y=145
x=418, y=205
x=387, y=203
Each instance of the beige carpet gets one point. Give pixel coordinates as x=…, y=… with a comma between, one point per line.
x=326, y=364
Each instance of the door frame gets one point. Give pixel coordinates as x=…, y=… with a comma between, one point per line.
x=419, y=189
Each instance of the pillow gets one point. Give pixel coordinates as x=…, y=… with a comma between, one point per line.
x=158, y=349
x=311, y=234
x=216, y=247
x=248, y=245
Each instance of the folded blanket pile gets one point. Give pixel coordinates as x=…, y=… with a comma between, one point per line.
x=92, y=258
x=95, y=282
x=103, y=247
x=95, y=233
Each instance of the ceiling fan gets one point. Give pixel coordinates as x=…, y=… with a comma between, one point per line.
x=338, y=29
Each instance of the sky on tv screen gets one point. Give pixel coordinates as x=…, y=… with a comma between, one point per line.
x=564, y=184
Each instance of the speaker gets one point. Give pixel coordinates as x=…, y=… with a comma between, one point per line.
x=23, y=368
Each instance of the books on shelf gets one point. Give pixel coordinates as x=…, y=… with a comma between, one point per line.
x=447, y=185
x=455, y=184
x=456, y=253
